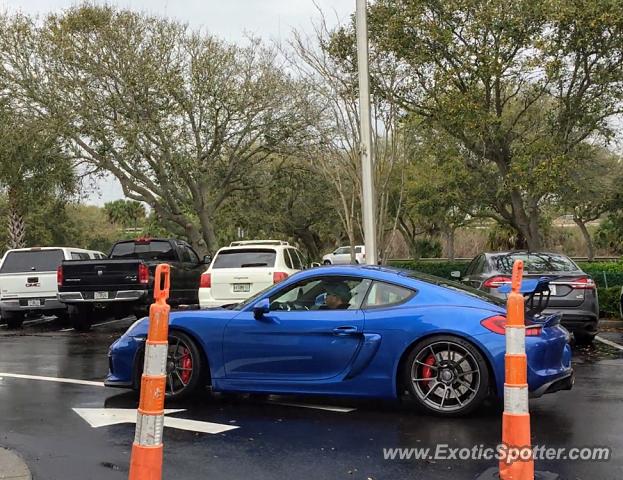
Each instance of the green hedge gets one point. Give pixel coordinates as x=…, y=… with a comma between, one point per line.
x=439, y=268
x=605, y=274
x=609, y=301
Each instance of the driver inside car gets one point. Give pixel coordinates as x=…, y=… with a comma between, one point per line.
x=338, y=296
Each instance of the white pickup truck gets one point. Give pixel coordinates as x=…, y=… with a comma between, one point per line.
x=28, y=282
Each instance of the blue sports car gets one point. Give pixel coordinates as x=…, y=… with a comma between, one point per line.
x=355, y=330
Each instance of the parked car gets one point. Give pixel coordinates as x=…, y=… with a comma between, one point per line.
x=392, y=331
x=28, y=281
x=245, y=268
x=572, y=291
x=122, y=283
x=341, y=256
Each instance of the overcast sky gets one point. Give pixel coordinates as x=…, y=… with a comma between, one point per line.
x=228, y=19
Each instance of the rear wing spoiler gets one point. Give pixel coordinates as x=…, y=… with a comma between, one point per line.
x=535, y=290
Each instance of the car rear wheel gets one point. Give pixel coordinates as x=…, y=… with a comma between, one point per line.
x=13, y=319
x=185, y=366
x=583, y=338
x=327, y=262
x=446, y=375
x=80, y=317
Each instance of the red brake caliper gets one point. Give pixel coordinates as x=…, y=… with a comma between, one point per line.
x=427, y=372
x=187, y=363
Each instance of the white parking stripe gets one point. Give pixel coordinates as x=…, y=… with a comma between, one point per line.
x=52, y=379
x=109, y=322
x=608, y=342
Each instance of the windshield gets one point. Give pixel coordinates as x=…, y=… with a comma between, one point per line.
x=32, y=261
x=245, y=258
x=460, y=287
x=535, y=262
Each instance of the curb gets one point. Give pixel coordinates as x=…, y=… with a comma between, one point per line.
x=12, y=466
x=611, y=323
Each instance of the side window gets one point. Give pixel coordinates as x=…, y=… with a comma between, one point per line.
x=79, y=256
x=286, y=258
x=302, y=259
x=480, y=266
x=321, y=293
x=184, y=254
x=296, y=261
x=472, y=266
x=342, y=250
x=194, y=258
x=386, y=295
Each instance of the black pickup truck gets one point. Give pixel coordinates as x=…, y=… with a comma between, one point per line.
x=122, y=284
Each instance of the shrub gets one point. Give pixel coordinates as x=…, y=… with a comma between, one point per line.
x=609, y=301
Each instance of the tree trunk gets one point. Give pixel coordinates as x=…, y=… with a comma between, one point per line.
x=207, y=231
x=16, y=222
x=450, y=242
x=590, y=249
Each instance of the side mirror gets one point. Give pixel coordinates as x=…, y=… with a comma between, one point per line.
x=207, y=259
x=314, y=264
x=456, y=274
x=261, y=308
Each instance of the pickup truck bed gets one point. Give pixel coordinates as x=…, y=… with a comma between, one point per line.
x=122, y=284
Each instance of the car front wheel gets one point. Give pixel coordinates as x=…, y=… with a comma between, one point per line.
x=446, y=375
x=185, y=366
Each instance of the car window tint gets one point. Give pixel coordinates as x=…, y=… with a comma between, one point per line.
x=149, y=250
x=245, y=258
x=536, y=262
x=383, y=294
x=471, y=267
x=184, y=254
x=287, y=259
x=79, y=256
x=301, y=259
x=194, y=258
x=480, y=266
x=32, y=261
x=310, y=294
x=357, y=249
x=342, y=250
x=296, y=261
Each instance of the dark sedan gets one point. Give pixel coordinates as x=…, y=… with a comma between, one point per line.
x=572, y=292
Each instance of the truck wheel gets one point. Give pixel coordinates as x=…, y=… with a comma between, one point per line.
x=80, y=317
x=13, y=319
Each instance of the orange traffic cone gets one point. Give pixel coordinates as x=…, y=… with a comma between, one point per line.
x=146, y=460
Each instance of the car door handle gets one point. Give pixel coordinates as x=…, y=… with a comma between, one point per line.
x=346, y=330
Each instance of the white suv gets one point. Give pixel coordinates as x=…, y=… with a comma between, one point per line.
x=341, y=256
x=28, y=281
x=246, y=268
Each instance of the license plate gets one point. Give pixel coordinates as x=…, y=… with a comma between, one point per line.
x=34, y=303
x=100, y=295
x=242, y=287
x=552, y=290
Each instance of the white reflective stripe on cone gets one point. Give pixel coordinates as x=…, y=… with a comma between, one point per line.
x=515, y=399
x=149, y=430
x=155, y=359
x=515, y=340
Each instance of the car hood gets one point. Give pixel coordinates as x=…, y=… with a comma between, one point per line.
x=141, y=326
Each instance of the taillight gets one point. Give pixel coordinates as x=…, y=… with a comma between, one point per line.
x=497, y=324
x=495, y=282
x=205, y=281
x=279, y=276
x=582, y=283
x=143, y=273
x=59, y=276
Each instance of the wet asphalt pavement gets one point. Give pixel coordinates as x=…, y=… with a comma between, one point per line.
x=276, y=441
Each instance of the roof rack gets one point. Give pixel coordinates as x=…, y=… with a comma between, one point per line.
x=257, y=242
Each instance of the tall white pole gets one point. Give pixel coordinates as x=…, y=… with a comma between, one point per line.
x=367, y=166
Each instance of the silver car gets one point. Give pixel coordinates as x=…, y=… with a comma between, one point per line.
x=573, y=293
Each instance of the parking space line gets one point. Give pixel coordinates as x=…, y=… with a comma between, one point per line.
x=327, y=408
x=52, y=379
x=109, y=322
x=608, y=342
